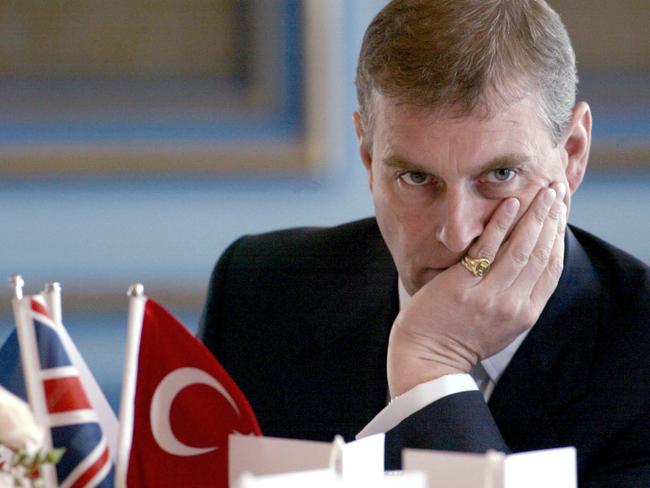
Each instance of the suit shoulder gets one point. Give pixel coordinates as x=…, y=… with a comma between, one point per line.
x=307, y=247
x=624, y=299
x=616, y=267
x=297, y=237
x=280, y=277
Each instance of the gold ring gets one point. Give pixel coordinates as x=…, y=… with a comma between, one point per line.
x=477, y=266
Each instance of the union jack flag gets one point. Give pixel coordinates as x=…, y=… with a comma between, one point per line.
x=55, y=390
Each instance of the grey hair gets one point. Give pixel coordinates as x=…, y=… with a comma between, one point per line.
x=468, y=57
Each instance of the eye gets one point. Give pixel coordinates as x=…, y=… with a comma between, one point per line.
x=501, y=175
x=415, y=178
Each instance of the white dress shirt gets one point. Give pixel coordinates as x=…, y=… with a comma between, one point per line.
x=483, y=377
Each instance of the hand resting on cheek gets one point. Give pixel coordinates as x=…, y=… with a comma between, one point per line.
x=458, y=319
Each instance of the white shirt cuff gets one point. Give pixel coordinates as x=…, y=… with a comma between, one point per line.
x=416, y=399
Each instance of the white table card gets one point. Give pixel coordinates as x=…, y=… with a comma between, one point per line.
x=330, y=479
x=269, y=455
x=535, y=469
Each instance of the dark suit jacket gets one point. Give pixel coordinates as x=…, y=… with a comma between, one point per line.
x=301, y=318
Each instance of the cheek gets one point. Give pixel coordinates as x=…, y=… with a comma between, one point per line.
x=528, y=194
x=546, y=174
x=525, y=197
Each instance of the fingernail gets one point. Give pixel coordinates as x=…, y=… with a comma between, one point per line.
x=549, y=196
x=561, y=190
x=512, y=206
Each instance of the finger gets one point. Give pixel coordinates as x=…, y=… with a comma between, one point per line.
x=548, y=281
x=495, y=231
x=541, y=254
x=514, y=255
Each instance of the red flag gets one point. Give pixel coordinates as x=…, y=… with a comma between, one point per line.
x=184, y=407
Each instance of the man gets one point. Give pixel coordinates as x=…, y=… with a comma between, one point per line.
x=467, y=302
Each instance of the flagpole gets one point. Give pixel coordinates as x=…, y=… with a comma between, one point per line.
x=137, y=302
x=52, y=295
x=31, y=365
x=16, y=281
x=107, y=419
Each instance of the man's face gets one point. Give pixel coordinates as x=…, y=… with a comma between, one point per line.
x=437, y=179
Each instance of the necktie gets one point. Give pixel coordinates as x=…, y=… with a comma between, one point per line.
x=482, y=379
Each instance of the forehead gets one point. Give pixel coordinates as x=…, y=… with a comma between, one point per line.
x=401, y=130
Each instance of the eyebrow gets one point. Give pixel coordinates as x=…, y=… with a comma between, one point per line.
x=505, y=161
x=400, y=163
x=502, y=161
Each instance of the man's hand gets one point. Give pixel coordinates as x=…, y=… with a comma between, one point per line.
x=457, y=319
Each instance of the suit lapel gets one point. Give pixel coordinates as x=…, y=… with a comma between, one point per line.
x=547, y=373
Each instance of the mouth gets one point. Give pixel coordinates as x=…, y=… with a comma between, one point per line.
x=436, y=270
x=426, y=274
x=430, y=273
x=441, y=268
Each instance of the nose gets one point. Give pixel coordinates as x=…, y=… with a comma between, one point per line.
x=462, y=221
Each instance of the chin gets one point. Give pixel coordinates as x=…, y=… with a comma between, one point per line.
x=421, y=279
x=429, y=274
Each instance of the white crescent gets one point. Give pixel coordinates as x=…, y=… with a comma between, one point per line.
x=162, y=401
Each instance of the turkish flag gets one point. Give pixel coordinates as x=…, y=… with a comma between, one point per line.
x=185, y=407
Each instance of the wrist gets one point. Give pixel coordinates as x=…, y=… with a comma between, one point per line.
x=404, y=374
x=412, y=362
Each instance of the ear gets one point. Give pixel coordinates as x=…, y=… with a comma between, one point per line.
x=364, y=150
x=577, y=143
